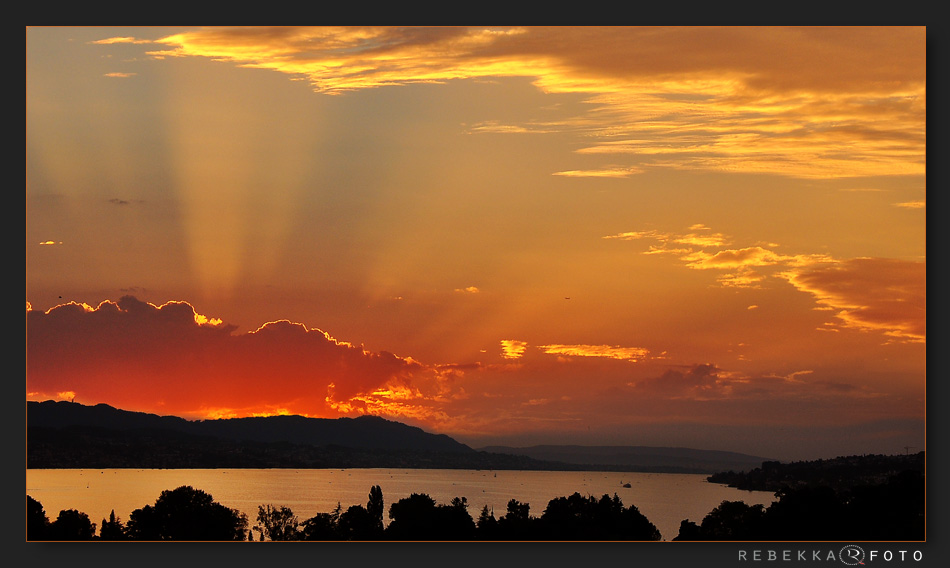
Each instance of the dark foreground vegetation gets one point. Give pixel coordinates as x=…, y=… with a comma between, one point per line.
x=840, y=473
x=892, y=509
x=866, y=497
x=190, y=514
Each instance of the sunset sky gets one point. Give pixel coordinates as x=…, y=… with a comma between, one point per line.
x=700, y=237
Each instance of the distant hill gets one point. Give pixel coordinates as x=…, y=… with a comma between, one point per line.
x=365, y=432
x=71, y=435
x=639, y=458
x=843, y=472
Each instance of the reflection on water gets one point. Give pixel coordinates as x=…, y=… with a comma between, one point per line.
x=664, y=498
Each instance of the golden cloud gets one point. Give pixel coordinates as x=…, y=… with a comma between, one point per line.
x=871, y=294
x=737, y=258
x=713, y=240
x=811, y=102
x=635, y=235
x=620, y=172
x=695, y=238
x=118, y=40
x=513, y=348
x=468, y=290
x=633, y=354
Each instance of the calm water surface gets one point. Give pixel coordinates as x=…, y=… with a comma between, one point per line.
x=665, y=498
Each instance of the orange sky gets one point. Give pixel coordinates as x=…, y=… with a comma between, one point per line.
x=701, y=237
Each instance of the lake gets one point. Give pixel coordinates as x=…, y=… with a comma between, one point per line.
x=664, y=498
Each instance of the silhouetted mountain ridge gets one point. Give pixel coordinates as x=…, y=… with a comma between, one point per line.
x=71, y=435
x=365, y=432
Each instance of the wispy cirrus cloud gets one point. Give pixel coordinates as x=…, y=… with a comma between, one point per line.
x=734, y=99
x=870, y=294
x=513, y=348
x=744, y=264
x=619, y=172
x=120, y=40
x=632, y=354
x=698, y=236
x=496, y=127
x=636, y=235
x=734, y=258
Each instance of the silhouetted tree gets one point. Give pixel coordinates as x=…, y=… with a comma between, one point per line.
x=734, y=520
x=486, y=525
x=588, y=518
x=357, y=523
x=516, y=524
x=689, y=531
x=375, y=507
x=637, y=526
x=417, y=517
x=454, y=521
x=412, y=518
x=568, y=518
x=731, y=520
x=144, y=524
x=187, y=513
x=276, y=523
x=895, y=510
x=517, y=510
x=323, y=526
x=805, y=513
x=72, y=525
x=37, y=523
x=111, y=529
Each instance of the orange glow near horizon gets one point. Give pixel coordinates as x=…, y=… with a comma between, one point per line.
x=624, y=235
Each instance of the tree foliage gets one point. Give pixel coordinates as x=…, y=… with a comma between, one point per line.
x=186, y=513
x=357, y=523
x=894, y=510
x=276, y=523
x=37, y=523
x=112, y=529
x=588, y=518
x=486, y=525
x=72, y=525
x=412, y=518
x=376, y=506
x=517, y=523
x=322, y=526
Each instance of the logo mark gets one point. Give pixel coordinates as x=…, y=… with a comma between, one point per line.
x=852, y=555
